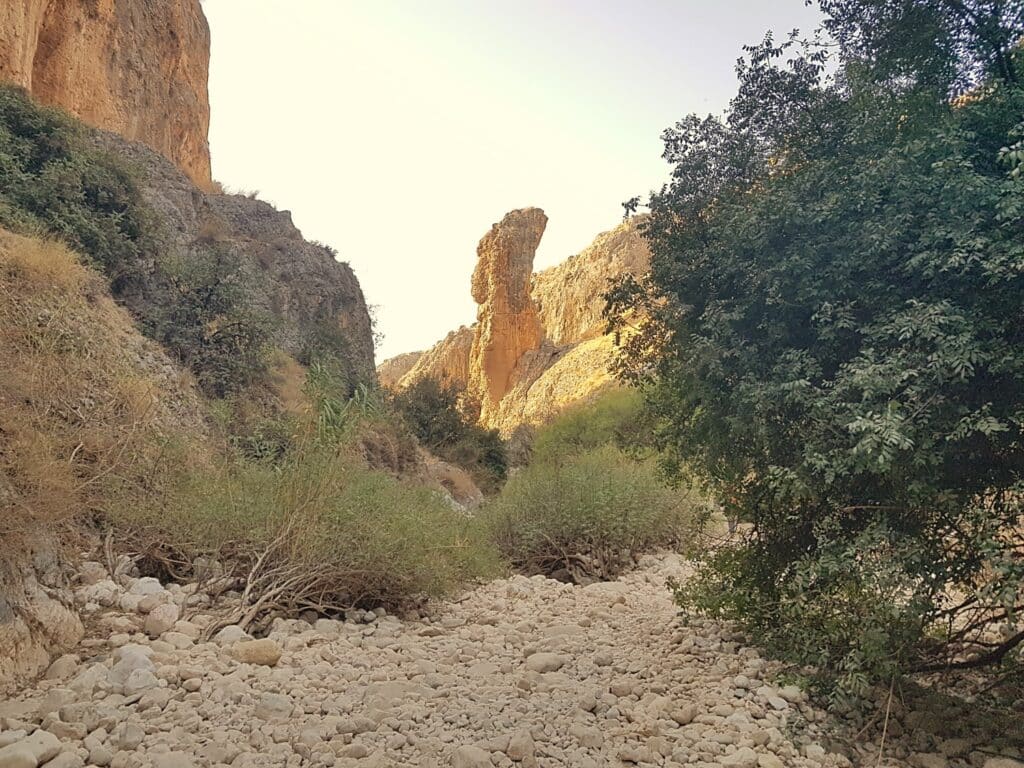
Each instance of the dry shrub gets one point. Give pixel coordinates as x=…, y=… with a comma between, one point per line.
x=82, y=423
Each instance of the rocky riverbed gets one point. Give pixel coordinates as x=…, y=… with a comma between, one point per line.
x=519, y=672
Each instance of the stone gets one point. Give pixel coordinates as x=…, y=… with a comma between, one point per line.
x=63, y=667
x=17, y=756
x=470, y=757
x=928, y=760
x=274, y=706
x=744, y=757
x=1002, y=762
x=66, y=760
x=264, y=652
x=172, y=760
x=230, y=635
x=545, y=662
x=162, y=619
x=520, y=746
x=768, y=760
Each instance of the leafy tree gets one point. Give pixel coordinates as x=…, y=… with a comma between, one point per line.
x=835, y=341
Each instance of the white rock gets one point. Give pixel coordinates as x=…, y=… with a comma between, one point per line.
x=146, y=586
x=17, y=756
x=162, y=619
x=231, y=635
x=470, y=757
x=274, y=706
x=545, y=662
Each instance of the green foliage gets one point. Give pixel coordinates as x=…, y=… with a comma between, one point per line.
x=312, y=527
x=434, y=415
x=615, y=418
x=835, y=344
x=208, y=324
x=588, y=516
x=585, y=508
x=52, y=181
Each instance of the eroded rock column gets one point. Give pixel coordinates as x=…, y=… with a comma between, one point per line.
x=508, y=324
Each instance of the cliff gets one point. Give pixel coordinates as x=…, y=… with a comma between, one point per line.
x=539, y=344
x=310, y=294
x=138, y=68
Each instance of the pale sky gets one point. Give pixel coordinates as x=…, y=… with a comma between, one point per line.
x=398, y=131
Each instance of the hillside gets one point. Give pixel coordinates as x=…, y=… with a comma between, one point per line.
x=539, y=344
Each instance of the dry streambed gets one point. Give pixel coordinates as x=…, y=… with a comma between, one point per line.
x=520, y=672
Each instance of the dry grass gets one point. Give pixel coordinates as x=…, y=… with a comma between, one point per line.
x=82, y=421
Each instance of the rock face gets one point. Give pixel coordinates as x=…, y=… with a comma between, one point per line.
x=301, y=284
x=391, y=371
x=447, y=361
x=138, y=68
x=519, y=375
x=508, y=324
x=35, y=618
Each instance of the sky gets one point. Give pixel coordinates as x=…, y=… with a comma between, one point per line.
x=399, y=131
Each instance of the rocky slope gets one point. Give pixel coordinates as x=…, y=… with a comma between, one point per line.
x=301, y=284
x=135, y=67
x=521, y=376
x=520, y=672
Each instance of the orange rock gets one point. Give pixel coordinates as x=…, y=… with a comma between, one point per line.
x=508, y=325
x=138, y=68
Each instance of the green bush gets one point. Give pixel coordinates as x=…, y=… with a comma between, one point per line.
x=836, y=345
x=52, y=181
x=615, y=418
x=207, y=322
x=588, y=516
x=433, y=413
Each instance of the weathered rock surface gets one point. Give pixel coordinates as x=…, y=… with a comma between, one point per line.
x=391, y=371
x=36, y=618
x=446, y=362
x=138, y=68
x=570, y=296
x=300, y=284
x=519, y=672
x=526, y=378
x=508, y=325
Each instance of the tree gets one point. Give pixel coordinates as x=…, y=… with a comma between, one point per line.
x=835, y=343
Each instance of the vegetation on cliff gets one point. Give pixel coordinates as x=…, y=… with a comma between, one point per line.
x=836, y=346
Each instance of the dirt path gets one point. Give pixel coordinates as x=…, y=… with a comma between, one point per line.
x=522, y=671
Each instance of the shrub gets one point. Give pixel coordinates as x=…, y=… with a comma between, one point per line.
x=317, y=532
x=434, y=414
x=85, y=422
x=588, y=515
x=53, y=181
x=207, y=322
x=615, y=418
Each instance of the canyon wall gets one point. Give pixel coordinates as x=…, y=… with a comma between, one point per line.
x=539, y=344
x=138, y=68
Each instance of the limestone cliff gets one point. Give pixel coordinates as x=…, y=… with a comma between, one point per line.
x=508, y=325
x=138, y=68
x=446, y=362
x=521, y=376
x=570, y=296
x=391, y=371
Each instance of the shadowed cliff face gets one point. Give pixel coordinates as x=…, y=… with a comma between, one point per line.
x=300, y=284
x=539, y=343
x=138, y=68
